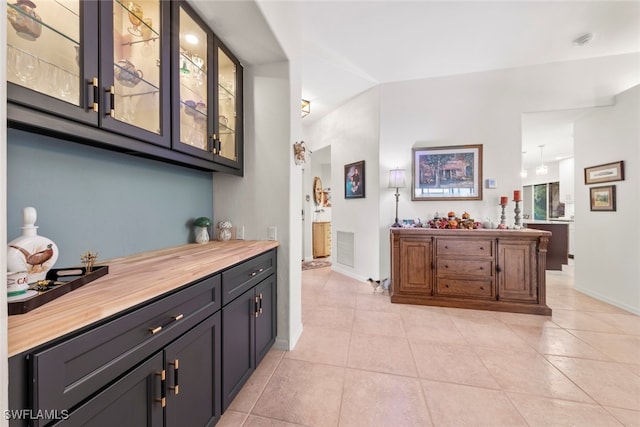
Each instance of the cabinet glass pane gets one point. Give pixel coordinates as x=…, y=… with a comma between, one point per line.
x=227, y=105
x=136, y=63
x=43, y=45
x=193, y=83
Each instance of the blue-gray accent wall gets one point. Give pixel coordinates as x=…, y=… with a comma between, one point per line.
x=93, y=199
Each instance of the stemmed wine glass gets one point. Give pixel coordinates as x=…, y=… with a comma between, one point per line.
x=135, y=17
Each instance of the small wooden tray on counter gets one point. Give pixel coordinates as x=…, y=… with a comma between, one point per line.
x=67, y=280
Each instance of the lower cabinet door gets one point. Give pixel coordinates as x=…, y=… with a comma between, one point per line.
x=266, y=320
x=238, y=345
x=134, y=400
x=193, y=376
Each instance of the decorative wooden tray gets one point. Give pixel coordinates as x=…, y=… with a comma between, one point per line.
x=63, y=280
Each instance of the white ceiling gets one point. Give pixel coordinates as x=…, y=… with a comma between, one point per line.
x=352, y=45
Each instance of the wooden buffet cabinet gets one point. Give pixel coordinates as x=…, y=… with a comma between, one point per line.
x=502, y=270
x=167, y=338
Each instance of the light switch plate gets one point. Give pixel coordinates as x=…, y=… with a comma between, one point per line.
x=272, y=232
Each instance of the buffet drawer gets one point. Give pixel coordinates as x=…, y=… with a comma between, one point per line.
x=241, y=278
x=65, y=374
x=448, y=266
x=465, y=247
x=458, y=287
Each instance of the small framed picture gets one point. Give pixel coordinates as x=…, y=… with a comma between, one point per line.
x=603, y=198
x=604, y=173
x=354, y=180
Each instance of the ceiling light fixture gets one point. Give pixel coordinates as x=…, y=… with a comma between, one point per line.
x=306, y=108
x=541, y=169
x=586, y=38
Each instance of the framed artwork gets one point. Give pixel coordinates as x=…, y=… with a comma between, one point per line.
x=447, y=173
x=603, y=198
x=604, y=173
x=354, y=180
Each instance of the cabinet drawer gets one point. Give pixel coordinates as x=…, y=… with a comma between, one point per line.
x=465, y=288
x=448, y=266
x=240, y=278
x=474, y=247
x=69, y=372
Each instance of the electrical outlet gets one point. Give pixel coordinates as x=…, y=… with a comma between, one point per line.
x=272, y=232
x=240, y=233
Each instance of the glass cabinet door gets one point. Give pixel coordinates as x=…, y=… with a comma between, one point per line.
x=136, y=87
x=227, y=107
x=44, y=41
x=193, y=61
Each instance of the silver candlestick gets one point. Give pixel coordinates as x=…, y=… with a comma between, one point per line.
x=517, y=216
x=503, y=216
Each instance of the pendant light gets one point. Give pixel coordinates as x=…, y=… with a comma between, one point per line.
x=542, y=169
x=523, y=172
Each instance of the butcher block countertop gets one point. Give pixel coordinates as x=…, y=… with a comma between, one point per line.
x=131, y=280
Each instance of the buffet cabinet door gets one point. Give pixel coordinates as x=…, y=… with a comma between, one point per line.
x=52, y=57
x=192, y=62
x=135, y=69
x=228, y=142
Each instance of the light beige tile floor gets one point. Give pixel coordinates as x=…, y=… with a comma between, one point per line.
x=362, y=361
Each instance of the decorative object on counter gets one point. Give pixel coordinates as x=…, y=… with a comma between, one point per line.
x=488, y=224
x=447, y=173
x=56, y=283
x=603, y=198
x=225, y=230
x=354, y=180
x=454, y=222
x=503, y=205
x=604, y=173
x=30, y=252
x=202, y=225
x=18, y=285
x=25, y=20
x=397, y=181
x=88, y=259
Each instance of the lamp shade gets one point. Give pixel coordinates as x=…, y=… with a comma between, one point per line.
x=396, y=178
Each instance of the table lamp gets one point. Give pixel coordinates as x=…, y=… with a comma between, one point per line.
x=396, y=180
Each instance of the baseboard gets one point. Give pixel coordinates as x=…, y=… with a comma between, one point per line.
x=631, y=309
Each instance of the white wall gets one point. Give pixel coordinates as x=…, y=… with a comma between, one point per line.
x=4, y=381
x=352, y=132
x=607, y=252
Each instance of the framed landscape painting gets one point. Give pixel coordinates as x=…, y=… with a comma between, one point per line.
x=603, y=198
x=447, y=173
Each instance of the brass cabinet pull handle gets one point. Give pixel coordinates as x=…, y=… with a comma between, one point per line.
x=112, y=100
x=256, y=312
x=253, y=273
x=260, y=305
x=176, y=387
x=163, y=388
x=155, y=330
x=96, y=94
x=178, y=317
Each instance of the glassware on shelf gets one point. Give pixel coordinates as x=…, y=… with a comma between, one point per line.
x=25, y=20
x=135, y=17
x=147, y=36
x=128, y=109
x=27, y=66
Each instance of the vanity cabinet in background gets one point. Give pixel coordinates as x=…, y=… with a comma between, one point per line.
x=502, y=270
x=321, y=235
